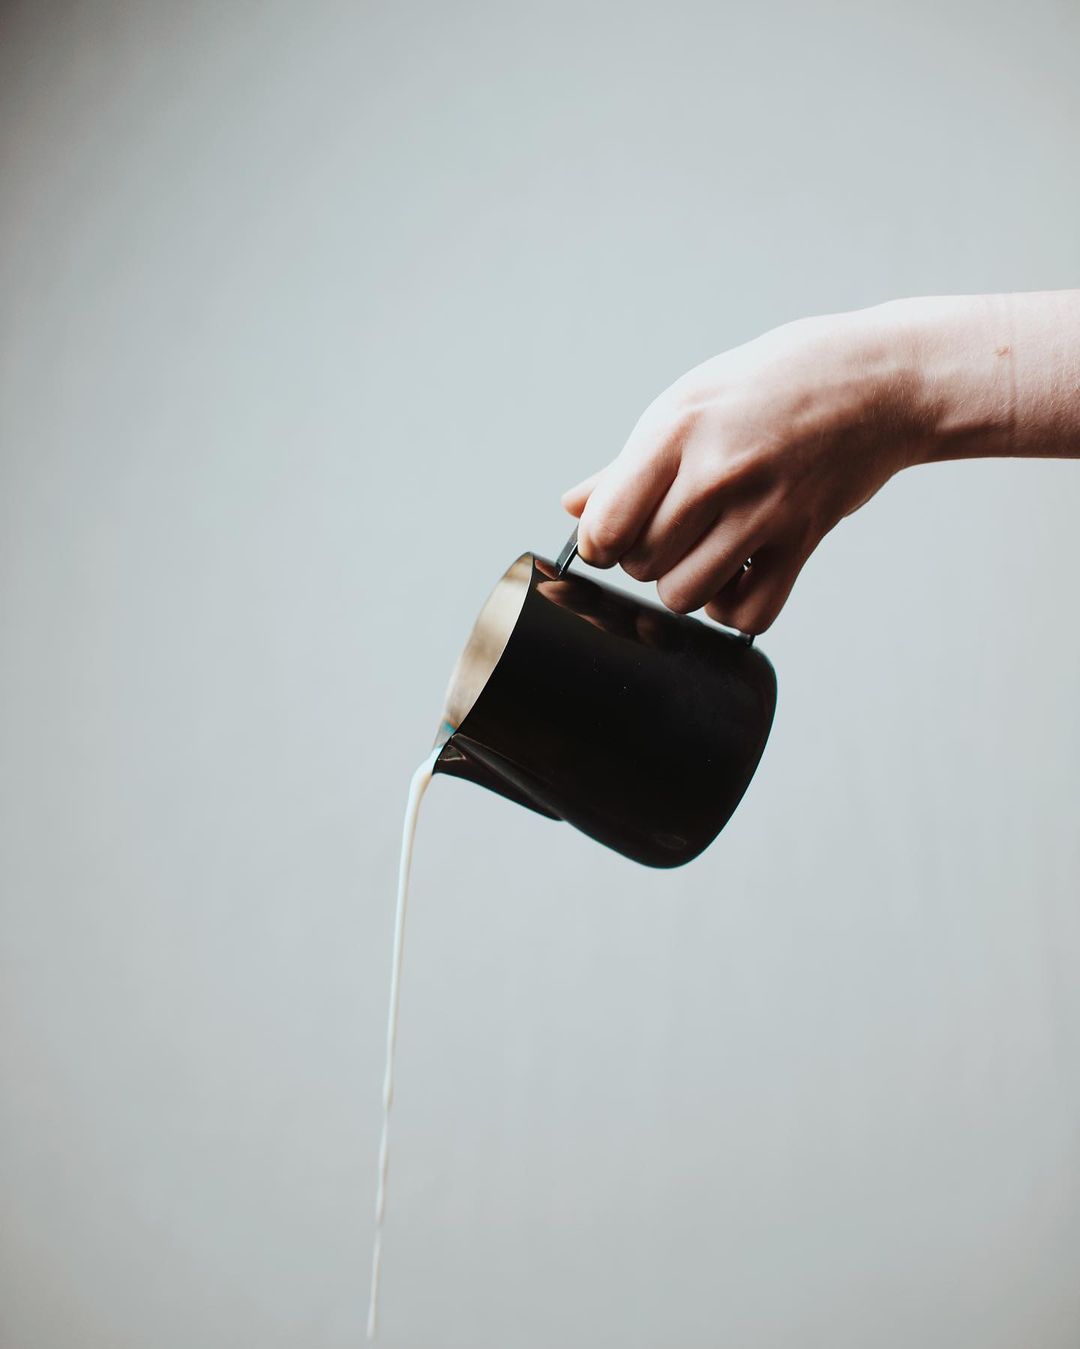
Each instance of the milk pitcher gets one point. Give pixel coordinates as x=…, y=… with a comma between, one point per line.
x=640, y=727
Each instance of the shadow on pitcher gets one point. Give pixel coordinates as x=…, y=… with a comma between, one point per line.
x=640, y=727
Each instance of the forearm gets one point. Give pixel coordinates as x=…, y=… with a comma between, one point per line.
x=995, y=375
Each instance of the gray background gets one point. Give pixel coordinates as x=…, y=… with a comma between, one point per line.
x=309, y=312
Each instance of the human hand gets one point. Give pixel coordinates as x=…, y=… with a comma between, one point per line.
x=756, y=454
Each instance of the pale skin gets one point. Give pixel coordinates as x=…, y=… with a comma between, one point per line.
x=759, y=452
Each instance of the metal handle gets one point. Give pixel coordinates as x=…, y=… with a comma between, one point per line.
x=569, y=552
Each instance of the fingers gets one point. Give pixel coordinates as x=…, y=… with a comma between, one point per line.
x=751, y=601
x=709, y=565
x=699, y=558
x=679, y=522
x=625, y=495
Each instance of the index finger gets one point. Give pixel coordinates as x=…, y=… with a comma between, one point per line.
x=573, y=500
x=626, y=493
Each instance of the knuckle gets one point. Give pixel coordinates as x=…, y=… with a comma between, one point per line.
x=702, y=473
x=754, y=616
x=676, y=596
x=681, y=424
x=693, y=390
x=668, y=425
x=734, y=611
x=601, y=540
x=745, y=618
x=740, y=468
x=640, y=568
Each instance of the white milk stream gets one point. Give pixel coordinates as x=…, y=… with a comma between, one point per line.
x=417, y=787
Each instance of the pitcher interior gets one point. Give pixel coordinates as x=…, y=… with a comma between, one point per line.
x=485, y=646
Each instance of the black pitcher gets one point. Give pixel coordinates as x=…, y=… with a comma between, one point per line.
x=640, y=727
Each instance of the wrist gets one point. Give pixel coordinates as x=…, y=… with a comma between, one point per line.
x=958, y=358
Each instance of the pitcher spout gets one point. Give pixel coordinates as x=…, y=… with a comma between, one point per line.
x=462, y=757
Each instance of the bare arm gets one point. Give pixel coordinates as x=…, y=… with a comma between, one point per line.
x=760, y=451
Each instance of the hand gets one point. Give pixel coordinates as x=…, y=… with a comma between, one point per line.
x=756, y=454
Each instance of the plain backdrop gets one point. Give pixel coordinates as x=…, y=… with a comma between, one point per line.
x=309, y=312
